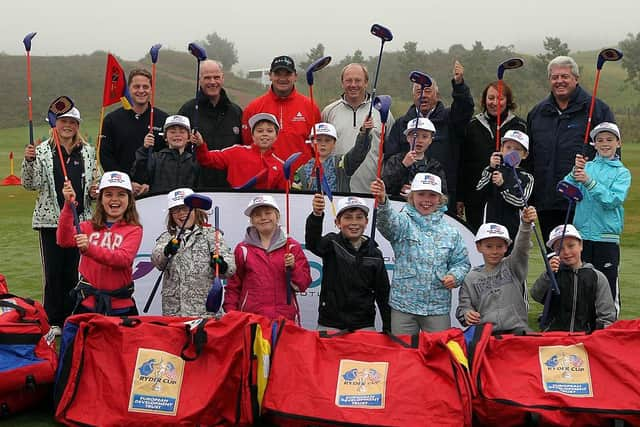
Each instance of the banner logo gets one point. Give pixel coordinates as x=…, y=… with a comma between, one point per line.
x=565, y=370
x=157, y=380
x=361, y=384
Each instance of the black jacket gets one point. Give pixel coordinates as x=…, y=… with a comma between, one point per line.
x=220, y=126
x=124, y=133
x=555, y=139
x=168, y=170
x=395, y=175
x=352, y=280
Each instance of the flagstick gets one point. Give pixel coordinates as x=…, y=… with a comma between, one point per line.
x=98, y=170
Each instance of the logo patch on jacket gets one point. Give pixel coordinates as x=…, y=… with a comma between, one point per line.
x=299, y=117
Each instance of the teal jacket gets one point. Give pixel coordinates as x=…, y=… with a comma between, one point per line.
x=600, y=215
x=426, y=249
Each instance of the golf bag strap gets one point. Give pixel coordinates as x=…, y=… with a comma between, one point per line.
x=198, y=339
x=415, y=340
x=21, y=311
x=103, y=298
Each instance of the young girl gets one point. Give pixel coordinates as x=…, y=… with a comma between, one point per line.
x=260, y=285
x=42, y=172
x=430, y=256
x=189, y=263
x=108, y=245
x=244, y=162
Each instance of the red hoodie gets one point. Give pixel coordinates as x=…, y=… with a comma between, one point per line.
x=296, y=115
x=108, y=262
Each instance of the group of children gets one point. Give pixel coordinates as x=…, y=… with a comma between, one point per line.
x=268, y=267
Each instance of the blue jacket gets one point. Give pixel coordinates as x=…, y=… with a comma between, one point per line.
x=426, y=249
x=555, y=138
x=600, y=215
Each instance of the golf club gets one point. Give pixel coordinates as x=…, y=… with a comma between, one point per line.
x=384, y=34
x=382, y=104
x=610, y=54
x=214, y=297
x=509, y=64
x=200, y=54
x=153, y=53
x=424, y=80
x=286, y=168
x=192, y=201
x=253, y=180
x=27, y=47
x=316, y=65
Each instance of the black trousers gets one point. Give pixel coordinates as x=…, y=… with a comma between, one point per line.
x=60, y=276
x=605, y=256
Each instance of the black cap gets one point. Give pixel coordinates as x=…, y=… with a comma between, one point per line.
x=283, y=62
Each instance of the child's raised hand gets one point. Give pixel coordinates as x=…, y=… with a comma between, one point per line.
x=554, y=263
x=529, y=215
x=449, y=281
x=409, y=159
x=318, y=204
x=289, y=260
x=378, y=190
x=82, y=242
x=458, y=72
x=497, y=178
x=67, y=191
x=149, y=140
x=472, y=317
x=495, y=160
x=196, y=138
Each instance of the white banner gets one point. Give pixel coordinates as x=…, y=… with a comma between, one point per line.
x=153, y=215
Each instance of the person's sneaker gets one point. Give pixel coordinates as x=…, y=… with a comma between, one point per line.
x=55, y=330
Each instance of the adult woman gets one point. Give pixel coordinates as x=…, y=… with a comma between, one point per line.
x=478, y=145
x=42, y=172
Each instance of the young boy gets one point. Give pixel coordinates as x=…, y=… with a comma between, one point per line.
x=354, y=276
x=337, y=169
x=245, y=162
x=605, y=183
x=493, y=292
x=585, y=302
x=401, y=168
x=499, y=185
x=170, y=168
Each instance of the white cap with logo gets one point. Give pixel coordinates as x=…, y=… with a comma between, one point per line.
x=324, y=129
x=556, y=234
x=427, y=181
x=491, y=229
x=115, y=179
x=517, y=136
x=262, y=200
x=177, y=120
x=605, y=127
x=351, y=202
x=423, y=123
x=176, y=197
x=74, y=113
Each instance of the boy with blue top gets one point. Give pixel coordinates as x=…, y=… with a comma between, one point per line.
x=604, y=182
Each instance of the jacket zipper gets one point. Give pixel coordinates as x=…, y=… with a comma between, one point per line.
x=244, y=301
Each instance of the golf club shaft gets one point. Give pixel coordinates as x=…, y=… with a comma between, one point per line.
x=593, y=103
x=287, y=269
x=375, y=79
x=29, y=99
x=153, y=101
x=217, y=238
x=498, y=115
x=418, y=115
x=315, y=149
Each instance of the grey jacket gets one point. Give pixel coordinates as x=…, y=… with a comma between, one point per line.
x=499, y=295
x=37, y=175
x=188, y=277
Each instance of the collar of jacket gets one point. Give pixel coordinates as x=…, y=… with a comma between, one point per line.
x=276, y=98
x=367, y=99
x=222, y=103
x=364, y=247
x=436, y=114
x=615, y=161
x=579, y=100
x=255, y=148
x=423, y=221
x=137, y=116
x=487, y=121
x=278, y=240
x=186, y=154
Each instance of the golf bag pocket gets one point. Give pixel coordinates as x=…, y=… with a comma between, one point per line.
x=557, y=378
x=28, y=358
x=367, y=378
x=157, y=371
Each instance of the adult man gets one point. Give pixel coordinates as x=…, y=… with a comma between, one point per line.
x=218, y=119
x=295, y=112
x=556, y=129
x=347, y=114
x=449, y=122
x=123, y=131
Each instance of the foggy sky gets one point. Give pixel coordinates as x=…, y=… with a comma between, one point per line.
x=264, y=29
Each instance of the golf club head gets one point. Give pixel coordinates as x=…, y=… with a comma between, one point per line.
x=288, y=163
x=214, y=297
x=509, y=64
x=421, y=78
x=511, y=159
x=609, y=54
x=60, y=105
x=198, y=201
x=381, y=32
x=153, y=52
x=252, y=181
x=382, y=103
x=316, y=65
x=569, y=191
x=27, y=41
x=197, y=51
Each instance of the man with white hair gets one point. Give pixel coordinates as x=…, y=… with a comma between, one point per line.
x=556, y=128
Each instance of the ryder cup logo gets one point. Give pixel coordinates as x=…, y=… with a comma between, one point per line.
x=429, y=180
x=178, y=195
x=495, y=229
x=116, y=178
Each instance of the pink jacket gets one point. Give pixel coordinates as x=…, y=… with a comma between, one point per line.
x=259, y=285
x=108, y=262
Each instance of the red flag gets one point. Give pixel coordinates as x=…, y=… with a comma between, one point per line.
x=115, y=84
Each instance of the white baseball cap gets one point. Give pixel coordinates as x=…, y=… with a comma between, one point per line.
x=517, y=136
x=177, y=120
x=74, y=113
x=324, y=129
x=605, y=127
x=263, y=116
x=423, y=123
x=427, y=181
x=351, y=202
x=176, y=197
x=556, y=234
x=491, y=229
x=115, y=179
x=262, y=200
